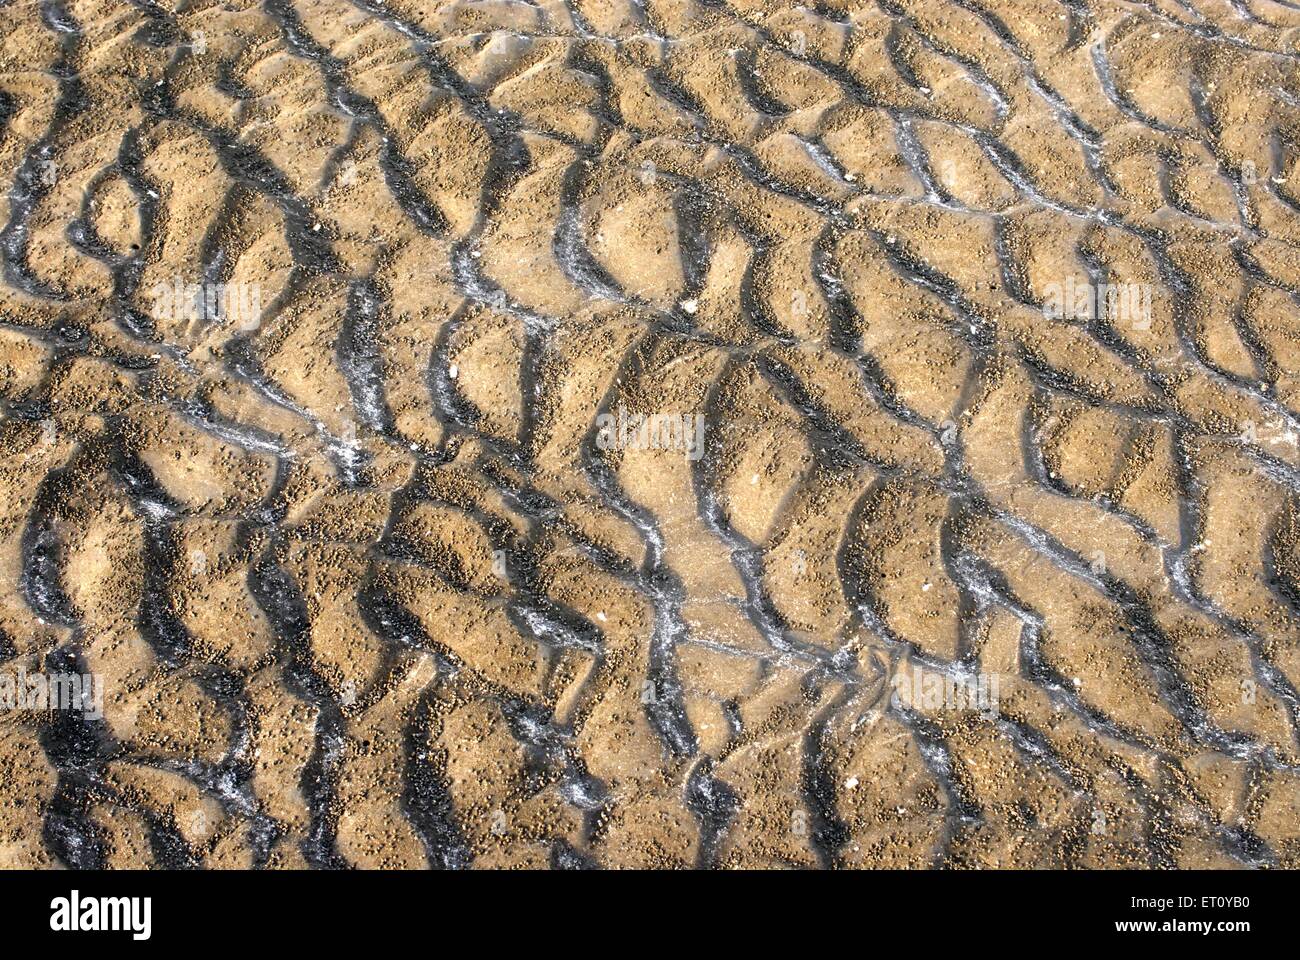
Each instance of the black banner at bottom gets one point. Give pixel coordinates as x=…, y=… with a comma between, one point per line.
x=340, y=910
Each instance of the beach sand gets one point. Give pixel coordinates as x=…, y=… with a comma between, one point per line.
x=651, y=433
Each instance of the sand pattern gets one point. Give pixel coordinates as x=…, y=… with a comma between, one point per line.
x=650, y=433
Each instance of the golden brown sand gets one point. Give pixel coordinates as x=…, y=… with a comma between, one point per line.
x=375, y=569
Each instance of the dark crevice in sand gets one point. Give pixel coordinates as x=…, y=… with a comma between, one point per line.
x=281, y=601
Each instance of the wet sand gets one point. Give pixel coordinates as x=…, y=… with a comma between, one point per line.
x=651, y=433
